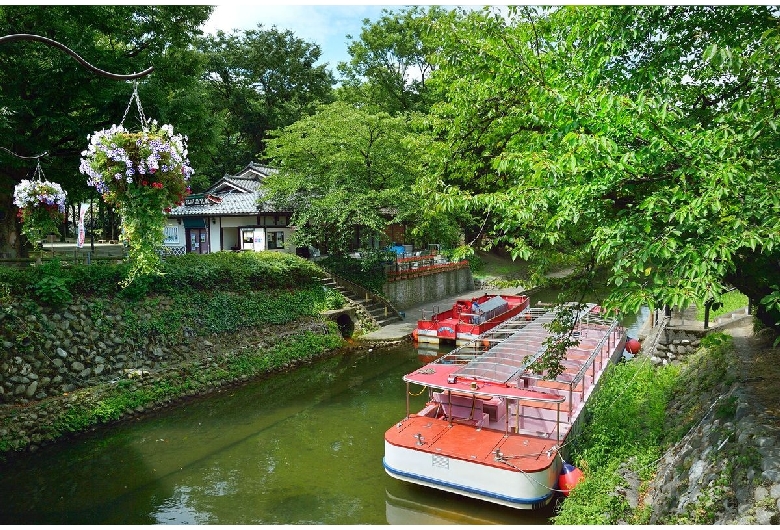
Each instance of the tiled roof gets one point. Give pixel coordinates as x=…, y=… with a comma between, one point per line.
x=244, y=184
x=233, y=203
x=239, y=195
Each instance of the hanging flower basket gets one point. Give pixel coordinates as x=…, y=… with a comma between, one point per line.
x=143, y=174
x=41, y=208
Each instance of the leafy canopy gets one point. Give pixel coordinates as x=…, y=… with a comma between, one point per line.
x=344, y=172
x=643, y=139
x=258, y=81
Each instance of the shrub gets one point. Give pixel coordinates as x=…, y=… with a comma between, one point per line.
x=219, y=271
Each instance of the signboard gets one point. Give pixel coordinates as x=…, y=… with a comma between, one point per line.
x=82, y=231
x=201, y=199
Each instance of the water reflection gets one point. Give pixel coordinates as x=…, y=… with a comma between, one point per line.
x=299, y=448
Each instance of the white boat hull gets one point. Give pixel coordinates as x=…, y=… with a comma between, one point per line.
x=512, y=488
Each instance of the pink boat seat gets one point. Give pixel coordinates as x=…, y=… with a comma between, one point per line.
x=495, y=408
x=462, y=408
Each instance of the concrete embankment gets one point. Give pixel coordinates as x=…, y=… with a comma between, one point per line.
x=726, y=468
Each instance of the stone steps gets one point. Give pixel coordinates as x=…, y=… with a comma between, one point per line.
x=378, y=311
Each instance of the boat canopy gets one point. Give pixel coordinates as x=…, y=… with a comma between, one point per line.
x=508, y=351
x=491, y=308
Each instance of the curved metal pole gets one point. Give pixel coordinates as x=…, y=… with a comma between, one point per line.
x=54, y=43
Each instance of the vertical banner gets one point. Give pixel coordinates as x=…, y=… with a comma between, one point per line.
x=82, y=232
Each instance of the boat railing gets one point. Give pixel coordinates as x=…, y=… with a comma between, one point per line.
x=434, y=311
x=597, y=351
x=603, y=347
x=522, y=414
x=527, y=414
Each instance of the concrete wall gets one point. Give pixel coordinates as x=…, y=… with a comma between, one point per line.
x=417, y=289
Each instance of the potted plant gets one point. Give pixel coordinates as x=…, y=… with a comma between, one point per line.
x=143, y=174
x=41, y=208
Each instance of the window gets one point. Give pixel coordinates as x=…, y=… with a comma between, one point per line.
x=275, y=240
x=171, y=235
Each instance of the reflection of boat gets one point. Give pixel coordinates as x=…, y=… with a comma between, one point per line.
x=493, y=429
x=427, y=353
x=406, y=512
x=464, y=321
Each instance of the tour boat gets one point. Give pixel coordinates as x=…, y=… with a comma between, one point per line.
x=465, y=321
x=493, y=428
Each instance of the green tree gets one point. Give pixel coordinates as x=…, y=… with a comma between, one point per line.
x=391, y=61
x=258, y=81
x=49, y=103
x=345, y=173
x=642, y=139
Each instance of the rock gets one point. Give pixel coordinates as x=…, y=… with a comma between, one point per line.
x=30, y=391
x=62, y=353
x=76, y=366
x=763, y=516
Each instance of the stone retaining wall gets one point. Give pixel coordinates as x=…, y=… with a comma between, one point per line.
x=50, y=351
x=726, y=469
x=416, y=290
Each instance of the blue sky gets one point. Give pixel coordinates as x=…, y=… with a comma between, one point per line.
x=324, y=24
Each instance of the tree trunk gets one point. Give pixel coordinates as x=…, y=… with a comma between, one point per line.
x=12, y=243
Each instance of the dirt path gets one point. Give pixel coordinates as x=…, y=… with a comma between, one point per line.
x=760, y=372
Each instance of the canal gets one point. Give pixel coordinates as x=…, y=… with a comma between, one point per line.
x=299, y=448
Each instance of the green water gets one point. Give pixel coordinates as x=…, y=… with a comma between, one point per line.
x=299, y=448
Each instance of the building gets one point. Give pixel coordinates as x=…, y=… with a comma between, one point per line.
x=229, y=216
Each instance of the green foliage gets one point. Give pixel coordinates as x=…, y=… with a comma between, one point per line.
x=636, y=414
x=204, y=313
x=236, y=271
x=220, y=271
x=52, y=290
x=115, y=38
x=363, y=176
x=333, y=299
x=730, y=301
x=52, y=286
x=367, y=271
x=391, y=61
x=641, y=140
x=257, y=81
x=625, y=422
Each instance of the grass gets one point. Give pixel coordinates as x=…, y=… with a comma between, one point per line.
x=732, y=301
x=636, y=414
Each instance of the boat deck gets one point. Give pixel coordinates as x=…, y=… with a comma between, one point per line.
x=437, y=437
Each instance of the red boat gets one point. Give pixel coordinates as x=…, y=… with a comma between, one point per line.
x=468, y=319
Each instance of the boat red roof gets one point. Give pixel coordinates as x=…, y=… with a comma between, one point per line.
x=443, y=376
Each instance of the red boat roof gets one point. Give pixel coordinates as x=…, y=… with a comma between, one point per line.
x=437, y=375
